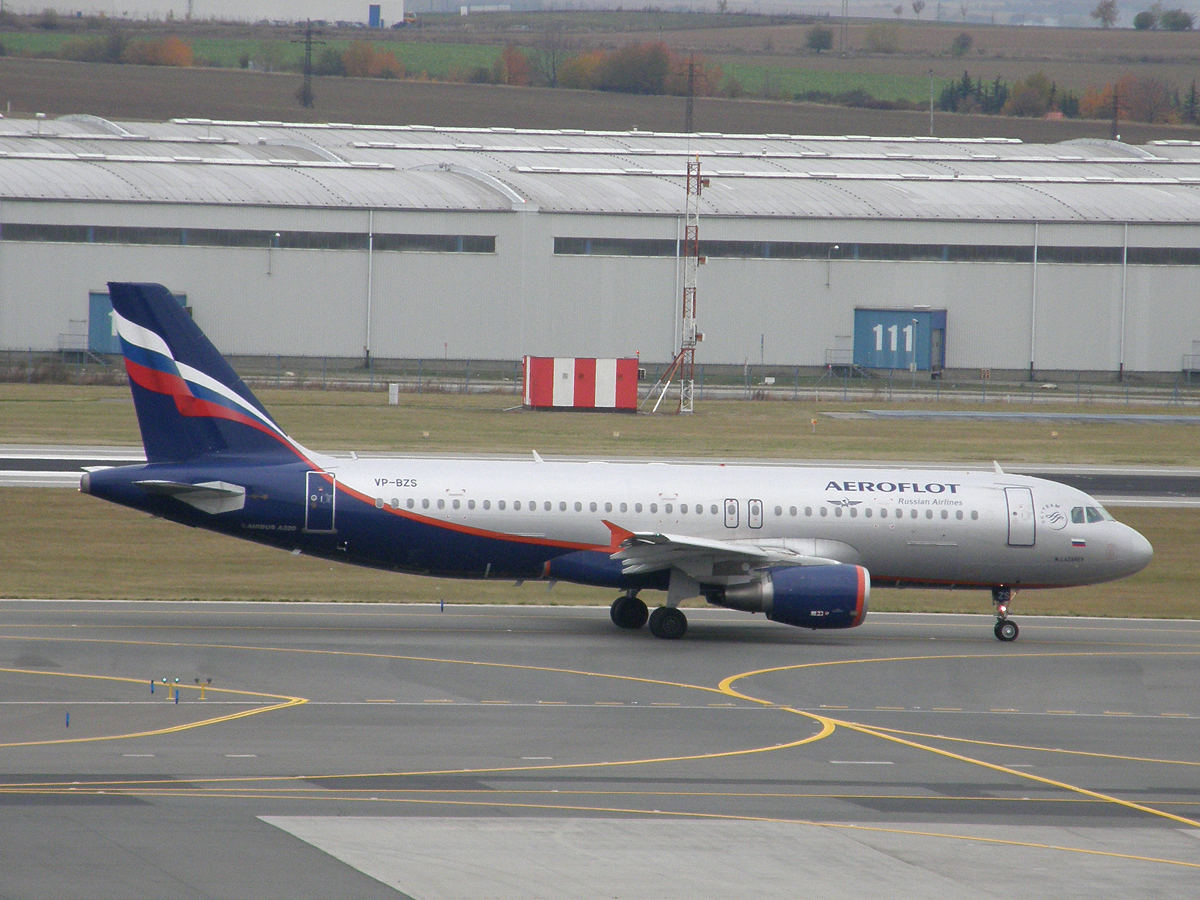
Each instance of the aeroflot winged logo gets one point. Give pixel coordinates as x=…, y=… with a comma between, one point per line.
x=152, y=366
x=893, y=487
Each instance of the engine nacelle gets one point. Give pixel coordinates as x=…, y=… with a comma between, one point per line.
x=808, y=596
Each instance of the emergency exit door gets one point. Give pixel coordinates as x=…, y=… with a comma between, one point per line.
x=1020, y=517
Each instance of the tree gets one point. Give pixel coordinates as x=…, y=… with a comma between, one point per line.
x=548, y=54
x=635, y=69
x=962, y=44
x=1147, y=100
x=897, y=11
x=1176, y=20
x=820, y=37
x=918, y=8
x=1031, y=98
x=722, y=6
x=516, y=66
x=1105, y=13
x=1146, y=20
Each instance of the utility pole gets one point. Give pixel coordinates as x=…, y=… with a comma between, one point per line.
x=691, y=95
x=305, y=94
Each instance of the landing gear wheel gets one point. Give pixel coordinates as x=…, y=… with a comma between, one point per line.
x=629, y=612
x=1006, y=630
x=668, y=623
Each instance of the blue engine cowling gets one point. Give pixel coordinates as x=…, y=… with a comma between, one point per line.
x=808, y=596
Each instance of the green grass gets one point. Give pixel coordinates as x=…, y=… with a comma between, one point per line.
x=788, y=82
x=362, y=420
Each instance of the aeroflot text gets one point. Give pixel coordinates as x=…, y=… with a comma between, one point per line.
x=891, y=487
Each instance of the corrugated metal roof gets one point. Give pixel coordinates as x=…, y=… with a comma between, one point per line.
x=197, y=161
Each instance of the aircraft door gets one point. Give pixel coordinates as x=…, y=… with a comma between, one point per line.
x=731, y=514
x=1020, y=517
x=320, y=501
x=754, y=515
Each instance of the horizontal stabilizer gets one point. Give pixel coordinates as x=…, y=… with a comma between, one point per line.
x=208, y=496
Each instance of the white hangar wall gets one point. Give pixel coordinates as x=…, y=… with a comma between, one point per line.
x=493, y=244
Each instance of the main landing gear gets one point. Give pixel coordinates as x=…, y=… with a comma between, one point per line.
x=666, y=622
x=629, y=612
x=1006, y=630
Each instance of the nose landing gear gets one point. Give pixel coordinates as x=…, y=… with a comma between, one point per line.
x=629, y=612
x=1006, y=630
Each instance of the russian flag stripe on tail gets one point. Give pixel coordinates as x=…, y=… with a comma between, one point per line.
x=189, y=401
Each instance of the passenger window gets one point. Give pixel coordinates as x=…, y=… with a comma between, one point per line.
x=778, y=511
x=624, y=507
x=457, y=504
x=395, y=503
x=562, y=506
x=441, y=504
x=913, y=514
x=411, y=503
x=547, y=506
x=500, y=504
x=424, y=504
x=867, y=512
x=929, y=513
x=637, y=507
x=837, y=511
x=683, y=507
x=487, y=504
x=470, y=504
x=974, y=514
x=883, y=514
x=533, y=506
x=578, y=506
x=808, y=510
x=945, y=513
x=1077, y=515
x=854, y=512
x=667, y=507
x=653, y=507
x=379, y=503
x=592, y=506
x=958, y=514
x=713, y=509
x=792, y=511
x=699, y=509
x=1093, y=515
x=516, y=504
x=608, y=507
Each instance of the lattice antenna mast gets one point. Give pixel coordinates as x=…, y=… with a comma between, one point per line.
x=684, y=364
x=692, y=260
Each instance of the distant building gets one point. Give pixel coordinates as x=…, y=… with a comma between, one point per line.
x=419, y=242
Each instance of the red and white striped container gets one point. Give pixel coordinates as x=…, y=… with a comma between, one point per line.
x=568, y=382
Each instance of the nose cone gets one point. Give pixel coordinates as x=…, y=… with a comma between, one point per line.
x=1135, y=551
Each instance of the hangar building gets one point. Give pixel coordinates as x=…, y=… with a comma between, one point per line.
x=418, y=242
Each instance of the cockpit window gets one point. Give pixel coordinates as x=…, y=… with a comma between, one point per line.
x=1094, y=515
x=1077, y=515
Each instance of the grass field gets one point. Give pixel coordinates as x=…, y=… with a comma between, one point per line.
x=63, y=544
x=362, y=421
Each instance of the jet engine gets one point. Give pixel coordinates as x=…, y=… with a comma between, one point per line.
x=808, y=596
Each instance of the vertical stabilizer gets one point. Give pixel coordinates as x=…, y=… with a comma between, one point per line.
x=189, y=401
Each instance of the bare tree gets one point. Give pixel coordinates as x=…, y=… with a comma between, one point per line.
x=918, y=8
x=1105, y=13
x=962, y=9
x=897, y=11
x=549, y=53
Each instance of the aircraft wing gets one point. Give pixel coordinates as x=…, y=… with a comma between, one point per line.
x=706, y=559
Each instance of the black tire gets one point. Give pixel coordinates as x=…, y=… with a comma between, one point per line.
x=628, y=612
x=1006, y=631
x=668, y=624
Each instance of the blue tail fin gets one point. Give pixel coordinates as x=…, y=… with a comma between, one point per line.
x=189, y=401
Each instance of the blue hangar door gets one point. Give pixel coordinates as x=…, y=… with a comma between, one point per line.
x=908, y=339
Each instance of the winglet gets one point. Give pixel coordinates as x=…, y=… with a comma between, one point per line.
x=996, y=465
x=619, y=534
x=537, y=457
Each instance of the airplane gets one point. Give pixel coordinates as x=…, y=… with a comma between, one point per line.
x=803, y=545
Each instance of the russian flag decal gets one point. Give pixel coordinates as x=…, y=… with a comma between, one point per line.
x=1078, y=542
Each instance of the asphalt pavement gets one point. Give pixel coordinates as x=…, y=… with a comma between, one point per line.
x=389, y=751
